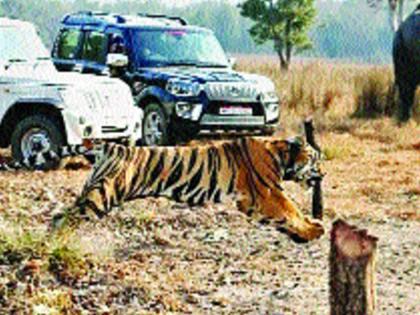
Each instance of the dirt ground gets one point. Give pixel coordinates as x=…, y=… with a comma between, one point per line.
x=155, y=256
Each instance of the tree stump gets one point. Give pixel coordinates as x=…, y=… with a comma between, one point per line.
x=352, y=267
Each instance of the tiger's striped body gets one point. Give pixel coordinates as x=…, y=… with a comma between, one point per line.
x=249, y=169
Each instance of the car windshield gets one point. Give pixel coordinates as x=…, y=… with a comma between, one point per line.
x=156, y=48
x=21, y=44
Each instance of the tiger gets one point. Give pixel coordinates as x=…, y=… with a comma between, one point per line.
x=251, y=170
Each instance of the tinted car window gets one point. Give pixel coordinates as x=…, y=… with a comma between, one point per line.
x=94, y=47
x=67, y=44
x=163, y=47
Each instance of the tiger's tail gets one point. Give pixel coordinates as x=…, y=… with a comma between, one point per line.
x=39, y=160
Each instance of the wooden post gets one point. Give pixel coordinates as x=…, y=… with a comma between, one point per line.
x=317, y=203
x=352, y=267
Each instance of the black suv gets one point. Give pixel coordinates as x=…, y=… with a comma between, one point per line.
x=179, y=74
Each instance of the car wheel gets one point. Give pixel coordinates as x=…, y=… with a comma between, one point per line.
x=36, y=134
x=185, y=134
x=268, y=131
x=155, y=126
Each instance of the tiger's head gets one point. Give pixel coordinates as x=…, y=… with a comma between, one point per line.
x=298, y=161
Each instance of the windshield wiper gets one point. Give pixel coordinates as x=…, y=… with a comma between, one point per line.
x=210, y=65
x=43, y=58
x=181, y=63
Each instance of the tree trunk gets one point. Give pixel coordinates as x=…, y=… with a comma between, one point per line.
x=352, y=266
x=279, y=48
x=400, y=12
x=284, y=65
x=396, y=13
x=288, y=42
x=393, y=20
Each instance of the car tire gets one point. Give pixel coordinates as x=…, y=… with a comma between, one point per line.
x=155, y=126
x=268, y=131
x=36, y=130
x=184, y=134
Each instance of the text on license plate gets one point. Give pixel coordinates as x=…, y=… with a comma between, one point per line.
x=235, y=110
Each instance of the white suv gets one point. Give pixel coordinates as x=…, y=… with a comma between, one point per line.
x=42, y=109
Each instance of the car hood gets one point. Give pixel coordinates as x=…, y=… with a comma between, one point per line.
x=202, y=75
x=47, y=75
x=81, y=81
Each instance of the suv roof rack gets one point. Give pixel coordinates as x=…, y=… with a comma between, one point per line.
x=99, y=17
x=180, y=20
x=92, y=17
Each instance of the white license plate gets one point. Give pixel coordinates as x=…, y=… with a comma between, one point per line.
x=235, y=110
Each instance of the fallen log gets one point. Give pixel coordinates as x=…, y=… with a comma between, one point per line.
x=352, y=268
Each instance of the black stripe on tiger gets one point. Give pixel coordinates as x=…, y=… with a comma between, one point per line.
x=175, y=175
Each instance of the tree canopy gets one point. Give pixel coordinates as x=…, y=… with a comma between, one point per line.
x=285, y=23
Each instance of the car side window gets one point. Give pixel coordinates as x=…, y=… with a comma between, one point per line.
x=94, y=47
x=67, y=44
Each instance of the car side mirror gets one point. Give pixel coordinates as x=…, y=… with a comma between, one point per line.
x=116, y=60
x=231, y=61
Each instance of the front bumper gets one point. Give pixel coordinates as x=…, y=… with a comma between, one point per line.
x=208, y=120
x=95, y=126
x=209, y=117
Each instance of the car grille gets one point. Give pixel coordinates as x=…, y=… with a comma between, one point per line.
x=234, y=91
x=104, y=100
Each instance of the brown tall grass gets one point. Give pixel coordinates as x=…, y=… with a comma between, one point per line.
x=375, y=93
x=333, y=91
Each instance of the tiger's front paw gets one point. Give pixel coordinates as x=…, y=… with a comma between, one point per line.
x=316, y=230
x=308, y=231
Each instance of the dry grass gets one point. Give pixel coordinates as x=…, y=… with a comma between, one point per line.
x=332, y=92
x=375, y=93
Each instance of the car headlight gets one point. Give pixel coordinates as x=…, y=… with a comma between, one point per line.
x=267, y=90
x=273, y=107
x=188, y=111
x=183, y=88
x=269, y=97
